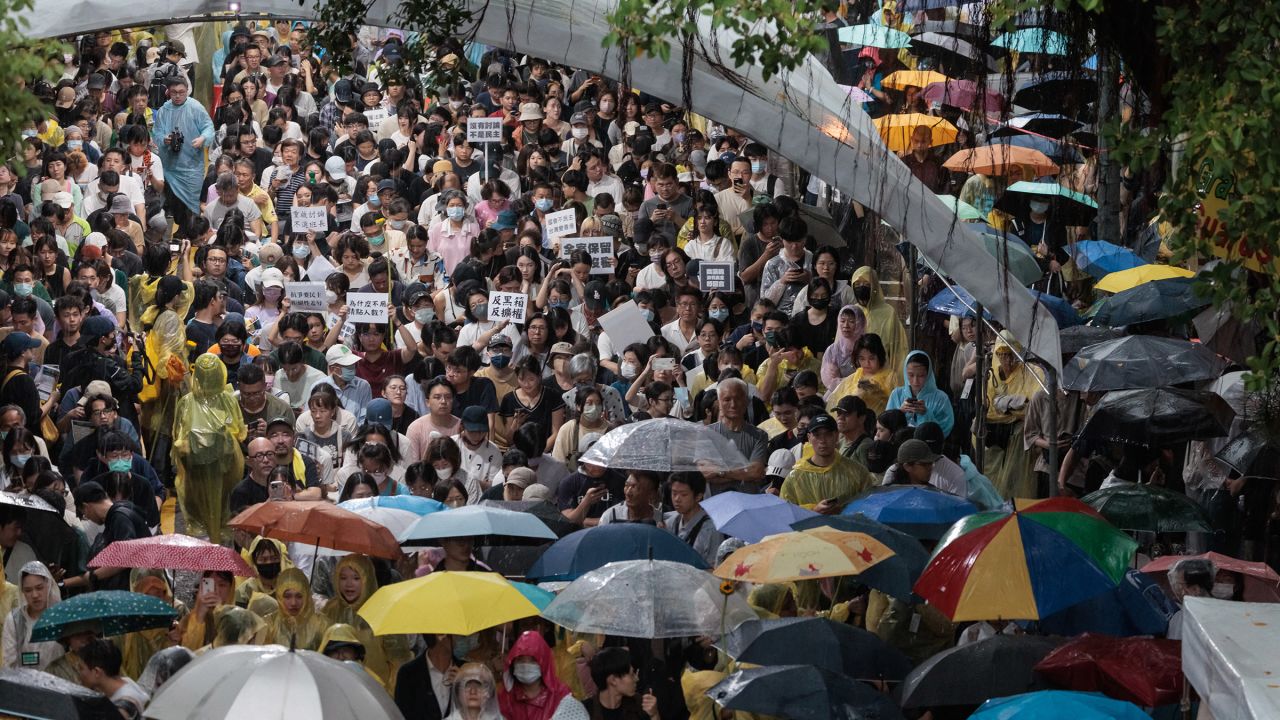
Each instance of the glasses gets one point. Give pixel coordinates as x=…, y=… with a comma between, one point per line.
x=690, y=305
x=262, y=456
x=102, y=413
x=665, y=399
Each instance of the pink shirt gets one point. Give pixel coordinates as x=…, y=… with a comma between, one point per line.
x=453, y=244
x=486, y=214
x=420, y=430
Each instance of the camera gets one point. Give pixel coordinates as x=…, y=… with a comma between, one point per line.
x=174, y=141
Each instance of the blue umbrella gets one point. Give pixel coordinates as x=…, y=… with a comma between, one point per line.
x=877, y=36
x=475, y=521
x=753, y=517
x=581, y=552
x=918, y=510
x=1100, y=258
x=1033, y=40
x=1058, y=705
x=1137, y=606
x=954, y=300
x=1156, y=300
x=1061, y=310
x=536, y=595
x=1061, y=153
x=409, y=503
x=110, y=612
x=893, y=576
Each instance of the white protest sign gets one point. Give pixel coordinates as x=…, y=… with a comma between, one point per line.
x=376, y=116
x=601, y=250
x=484, y=130
x=306, y=296
x=367, y=307
x=508, y=306
x=306, y=219
x=319, y=269
x=625, y=325
x=714, y=275
x=562, y=223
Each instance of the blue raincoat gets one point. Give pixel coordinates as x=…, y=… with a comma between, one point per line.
x=937, y=404
x=183, y=171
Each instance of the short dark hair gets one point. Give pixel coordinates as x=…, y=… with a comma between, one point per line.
x=102, y=654
x=290, y=353
x=609, y=662
x=250, y=374
x=464, y=357
x=85, y=493
x=696, y=482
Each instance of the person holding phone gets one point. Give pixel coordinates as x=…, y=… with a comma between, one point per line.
x=919, y=397
x=825, y=481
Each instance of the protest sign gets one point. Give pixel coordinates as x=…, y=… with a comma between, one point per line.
x=601, y=250
x=306, y=296
x=307, y=219
x=508, y=306
x=484, y=130
x=319, y=269
x=715, y=275
x=625, y=325
x=367, y=307
x=376, y=116
x=562, y=223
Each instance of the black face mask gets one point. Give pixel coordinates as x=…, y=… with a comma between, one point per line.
x=268, y=571
x=862, y=293
x=820, y=303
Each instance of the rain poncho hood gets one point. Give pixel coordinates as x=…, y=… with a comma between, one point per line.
x=53, y=596
x=208, y=428
x=246, y=589
x=882, y=319
x=235, y=626
x=139, y=647
x=937, y=404
x=339, y=634
x=338, y=609
x=304, y=630
x=183, y=170
x=770, y=599
x=810, y=484
x=162, y=666
x=383, y=654
x=512, y=700
x=838, y=361
x=474, y=672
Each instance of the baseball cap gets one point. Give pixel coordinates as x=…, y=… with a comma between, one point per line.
x=578, y=119
x=561, y=348
x=587, y=441
x=475, y=419
x=630, y=128
x=521, y=477
x=335, y=168
x=780, y=463
x=915, y=451
x=61, y=199
x=287, y=422
x=343, y=93
x=95, y=388
x=698, y=160
x=822, y=422
x=120, y=205
x=17, y=343
x=851, y=404
x=378, y=412
x=177, y=48
x=386, y=184
x=531, y=111
x=272, y=277
x=595, y=296
x=506, y=220
x=274, y=61
x=414, y=293
x=96, y=239
x=340, y=355
x=611, y=225
x=442, y=166
x=537, y=491
x=499, y=340
x=95, y=326
x=268, y=254
x=584, y=106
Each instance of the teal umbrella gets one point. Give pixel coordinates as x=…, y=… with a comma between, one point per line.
x=1068, y=207
x=877, y=36
x=1033, y=40
x=962, y=209
x=1014, y=253
x=110, y=612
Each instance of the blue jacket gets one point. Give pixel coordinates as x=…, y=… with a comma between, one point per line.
x=937, y=404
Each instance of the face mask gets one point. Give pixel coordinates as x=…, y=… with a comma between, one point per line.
x=229, y=350
x=424, y=316
x=771, y=337
x=543, y=204
x=75, y=144
x=398, y=224
x=121, y=465
x=301, y=251
x=719, y=314
x=757, y=167
x=377, y=240
x=986, y=205
x=456, y=213
x=379, y=477
x=757, y=327
x=23, y=289
x=606, y=106
x=580, y=133
x=526, y=672
x=20, y=461
x=481, y=311
x=1038, y=207
x=330, y=297
x=271, y=294
x=656, y=257
x=271, y=381
x=444, y=474
x=644, y=173
x=455, y=104
x=268, y=571
x=1223, y=591
x=499, y=361
x=591, y=412
x=348, y=373
x=628, y=370
x=559, y=304
x=103, y=196
x=647, y=313
x=375, y=201
x=677, y=138
x=820, y=303
x=862, y=293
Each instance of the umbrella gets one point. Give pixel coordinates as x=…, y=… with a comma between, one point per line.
x=893, y=576
x=1222, y=332
x=317, y=523
x=1155, y=417
x=461, y=603
x=1056, y=90
x=964, y=94
x=172, y=552
x=1066, y=207
x=1255, y=452
x=393, y=512
x=664, y=445
x=1074, y=339
x=476, y=521
x=1139, y=361
x=753, y=517
x=972, y=674
x=803, y=555
x=877, y=36
x=951, y=51
x=997, y=159
x=903, y=79
x=1139, y=506
x=830, y=645
x=31, y=693
x=1033, y=40
x=649, y=599
x=1049, y=125
x=591, y=549
x=922, y=511
x=896, y=130
x=270, y=681
x=1061, y=310
x=955, y=300
x=857, y=94
x=1261, y=583
x=1230, y=387
x=541, y=509
x=802, y=692
x=27, y=502
x=111, y=612
x=1136, y=607
x=1013, y=253
x=1143, y=671
x=1045, y=556
x=1133, y=277
x=1062, y=152
x=967, y=31
x=1100, y=258
x=1058, y=705
x=962, y=209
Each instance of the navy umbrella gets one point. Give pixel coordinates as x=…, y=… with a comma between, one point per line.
x=1156, y=417
x=1061, y=310
x=893, y=576
x=1137, y=606
x=575, y=555
x=1073, y=339
x=833, y=646
x=802, y=692
x=1155, y=300
x=1059, y=151
x=1048, y=124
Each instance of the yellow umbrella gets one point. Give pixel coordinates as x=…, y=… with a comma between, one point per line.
x=454, y=603
x=917, y=78
x=896, y=130
x=804, y=555
x=1133, y=277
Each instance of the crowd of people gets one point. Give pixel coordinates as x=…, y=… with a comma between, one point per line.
x=154, y=357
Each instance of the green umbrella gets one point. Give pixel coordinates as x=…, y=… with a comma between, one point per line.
x=1033, y=40
x=1134, y=506
x=877, y=36
x=111, y=612
x=1020, y=261
x=962, y=209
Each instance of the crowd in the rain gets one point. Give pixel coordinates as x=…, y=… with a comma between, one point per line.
x=524, y=394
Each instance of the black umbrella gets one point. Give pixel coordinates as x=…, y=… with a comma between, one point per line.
x=951, y=51
x=1073, y=339
x=1047, y=124
x=1139, y=361
x=1156, y=417
x=1055, y=90
x=833, y=646
x=963, y=30
x=972, y=674
x=1155, y=300
x=1255, y=453
x=31, y=693
x=893, y=576
x=802, y=692
x=541, y=509
x=512, y=557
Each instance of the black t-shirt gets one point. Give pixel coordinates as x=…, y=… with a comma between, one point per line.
x=465, y=173
x=17, y=388
x=204, y=335
x=123, y=522
x=541, y=413
x=59, y=350
x=246, y=494
x=142, y=496
x=573, y=488
x=480, y=393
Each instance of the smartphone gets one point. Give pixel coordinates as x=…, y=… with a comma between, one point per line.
x=174, y=247
x=662, y=206
x=664, y=364
x=206, y=586
x=276, y=491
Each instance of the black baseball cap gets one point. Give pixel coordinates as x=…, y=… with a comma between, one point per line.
x=822, y=422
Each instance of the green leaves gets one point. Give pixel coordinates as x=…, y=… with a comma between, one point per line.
x=26, y=59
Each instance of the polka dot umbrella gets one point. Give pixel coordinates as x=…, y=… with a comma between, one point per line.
x=111, y=612
x=172, y=552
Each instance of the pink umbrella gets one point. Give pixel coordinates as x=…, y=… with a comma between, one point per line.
x=172, y=552
x=1261, y=583
x=964, y=94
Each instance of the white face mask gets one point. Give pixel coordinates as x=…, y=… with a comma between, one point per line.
x=579, y=133
x=444, y=474
x=526, y=672
x=1223, y=591
x=628, y=370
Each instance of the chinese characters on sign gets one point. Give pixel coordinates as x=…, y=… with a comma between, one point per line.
x=508, y=306
x=601, y=250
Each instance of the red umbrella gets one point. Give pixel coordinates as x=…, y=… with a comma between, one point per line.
x=172, y=552
x=965, y=95
x=1145, y=671
x=1261, y=583
x=319, y=523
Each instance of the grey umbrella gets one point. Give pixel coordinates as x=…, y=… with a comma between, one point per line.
x=1139, y=361
x=29, y=693
x=974, y=673
x=802, y=692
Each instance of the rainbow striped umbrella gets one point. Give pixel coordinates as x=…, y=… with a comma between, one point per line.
x=1045, y=556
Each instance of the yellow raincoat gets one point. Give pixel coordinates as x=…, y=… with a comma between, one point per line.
x=206, y=446
x=344, y=633
x=383, y=654
x=876, y=397
x=136, y=648
x=246, y=589
x=199, y=631
x=809, y=484
x=236, y=626
x=1011, y=467
x=883, y=320
x=303, y=630
x=10, y=595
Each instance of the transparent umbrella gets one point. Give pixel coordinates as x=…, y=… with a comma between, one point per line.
x=649, y=599
x=665, y=445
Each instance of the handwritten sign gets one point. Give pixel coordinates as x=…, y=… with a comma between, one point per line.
x=376, y=116
x=308, y=219
x=508, y=306
x=306, y=296
x=562, y=223
x=367, y=307
x=484, y=130
x=601, y=250
x=715, y=276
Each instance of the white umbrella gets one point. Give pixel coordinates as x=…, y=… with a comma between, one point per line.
x=665, y=445
x=266, y=682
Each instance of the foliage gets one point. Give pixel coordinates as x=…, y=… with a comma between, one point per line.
x=28, y=61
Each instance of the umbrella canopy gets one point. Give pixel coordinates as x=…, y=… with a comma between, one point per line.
x=394, y=516
x=1255, y=452
x=877, y=36
x=1062, y=152
x=1013, y=253
x=972, y=674
x=1045, y=556
x=753, y=517
x=591, y=549
x=951, y=51
x=461, y=603
x=921, y=511
x=997, y=159
x=1058, y=705
x=1066, y=207
x=893, y=576
x=1074, y=339
x=26, y=502
x=1049, y=125
x=664, y=445
x=1143, y=671
x=1155, y=417
x=902, y=79
x=964, y=94
x=31, y=693
x=802, y=692
x=1100, y=258
x=1033, y=40
x=1261, y=583
x=648, y=599
x=1139, y=361
x=833, y=646
x=270, y=681
x=475, y=521
x=1056, y=90
x=1062, y=310
x=172, y=552
x=803, y=555
x=896, y=130
x=548, y=513
x=1138, y=606
x=967, y=31
x=1122, y=280
x=317, y=523
x=1139, y=506
x=955, y=300
x=111, y=612
x=962, y=209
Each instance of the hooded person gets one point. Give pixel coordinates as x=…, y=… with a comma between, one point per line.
x=531, y=690
x=343, y=643
x=1010, y=385
x=236, y=626
x=882, y=319
x=137, y=648
x=39, y=593
x=165, y=347
x=295, y=624
x=838, y=360
x=825, y=478
x=918, y=397
x=475, y=696
x=773, y=600
x=10, y=596
x=268, y=565
x=162, y=666
x=207, y=438
x=354, y=582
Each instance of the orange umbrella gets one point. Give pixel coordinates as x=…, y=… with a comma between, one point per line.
x=997, y=159
x=318, y=523
x=896, y=130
